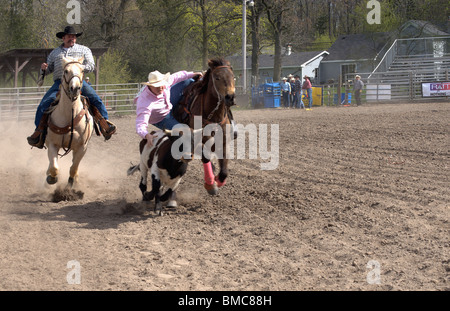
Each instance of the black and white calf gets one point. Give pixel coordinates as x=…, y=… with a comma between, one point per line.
x=166, y=171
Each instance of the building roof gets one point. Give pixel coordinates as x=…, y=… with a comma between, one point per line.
x=30, y=60
x=418, y=29
x=294, y=60
x=42, y=52
x=357, y=46
x=367, y=46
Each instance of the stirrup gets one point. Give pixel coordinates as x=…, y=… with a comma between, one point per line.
x=38, y=142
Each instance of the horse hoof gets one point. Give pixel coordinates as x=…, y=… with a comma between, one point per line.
x=172, y=204
x=158, y=209
x=220, y=183
x=212, y=189
x=52, y=180
x=70, y=182
x=148, y=196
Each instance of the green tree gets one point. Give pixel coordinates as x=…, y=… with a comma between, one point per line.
x=16, y=24
x=114, y=68
x=276, y=10
x=211, y=23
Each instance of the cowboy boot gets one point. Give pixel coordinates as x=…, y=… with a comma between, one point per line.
x=106, y=127
x=37, y=139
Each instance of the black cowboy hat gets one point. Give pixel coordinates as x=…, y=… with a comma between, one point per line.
x=69, y=30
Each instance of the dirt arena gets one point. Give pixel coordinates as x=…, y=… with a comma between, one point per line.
x=359, y=201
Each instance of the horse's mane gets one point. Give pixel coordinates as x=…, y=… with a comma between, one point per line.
x=198, y=87
x=212, y=63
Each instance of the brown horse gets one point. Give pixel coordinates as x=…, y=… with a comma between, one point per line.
x=210, y=99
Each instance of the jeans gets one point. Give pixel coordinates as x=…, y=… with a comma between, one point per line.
x=176, y=95
x=310, y=97
x=358, y=97
x=298, y=100
x=295, y=101
x=50, y=96
x=286, y=99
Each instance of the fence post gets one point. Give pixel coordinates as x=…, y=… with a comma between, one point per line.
x=339, y=90
x=411, y=86
x=347, y=89
x=17, y=104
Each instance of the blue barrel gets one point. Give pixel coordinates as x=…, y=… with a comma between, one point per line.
x=272, y=94
x=349, y=98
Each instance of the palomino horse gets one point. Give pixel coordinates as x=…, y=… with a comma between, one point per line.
x=70, y=124
x=211, y=98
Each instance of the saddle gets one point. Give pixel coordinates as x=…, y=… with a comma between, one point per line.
x=183, y=111
x=83, y=113
x=89, y=109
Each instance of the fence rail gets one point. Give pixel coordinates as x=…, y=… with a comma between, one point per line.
x=21, y=103
x=392, y=85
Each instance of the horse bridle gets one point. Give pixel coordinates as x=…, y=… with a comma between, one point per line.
x=73, y=76
x=80, y=115
x=219, y=97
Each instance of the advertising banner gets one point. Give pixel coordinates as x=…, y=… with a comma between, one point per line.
x=435, y=89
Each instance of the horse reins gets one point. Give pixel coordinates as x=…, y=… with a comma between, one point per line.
x=208, y=119
x=74, y=121
x=66, y=151
x=218, y=94
x=73, y=76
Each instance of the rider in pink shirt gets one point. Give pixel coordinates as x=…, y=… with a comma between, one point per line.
x=154, y=103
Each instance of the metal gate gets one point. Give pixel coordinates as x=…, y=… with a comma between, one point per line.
x=21, y=103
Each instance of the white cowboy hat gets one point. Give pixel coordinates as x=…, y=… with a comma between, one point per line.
x=357, y=76
x=284, y=78
x=157, y=79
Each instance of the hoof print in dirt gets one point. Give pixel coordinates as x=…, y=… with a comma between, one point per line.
x=66, y=194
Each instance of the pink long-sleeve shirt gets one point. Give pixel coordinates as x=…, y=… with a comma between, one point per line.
x=151, y=108
x=306, y=84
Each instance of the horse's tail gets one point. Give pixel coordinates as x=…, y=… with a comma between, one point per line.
x=133, y=169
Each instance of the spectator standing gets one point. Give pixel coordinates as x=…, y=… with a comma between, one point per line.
x=286, y=91
x=357, y=89
x=292, y=83
x=298, y=93
x=307, y=86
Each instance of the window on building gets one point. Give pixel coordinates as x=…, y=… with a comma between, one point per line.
x=347, y=69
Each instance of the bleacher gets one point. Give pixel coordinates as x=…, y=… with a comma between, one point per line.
x=419, y=63
x=407, y=64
